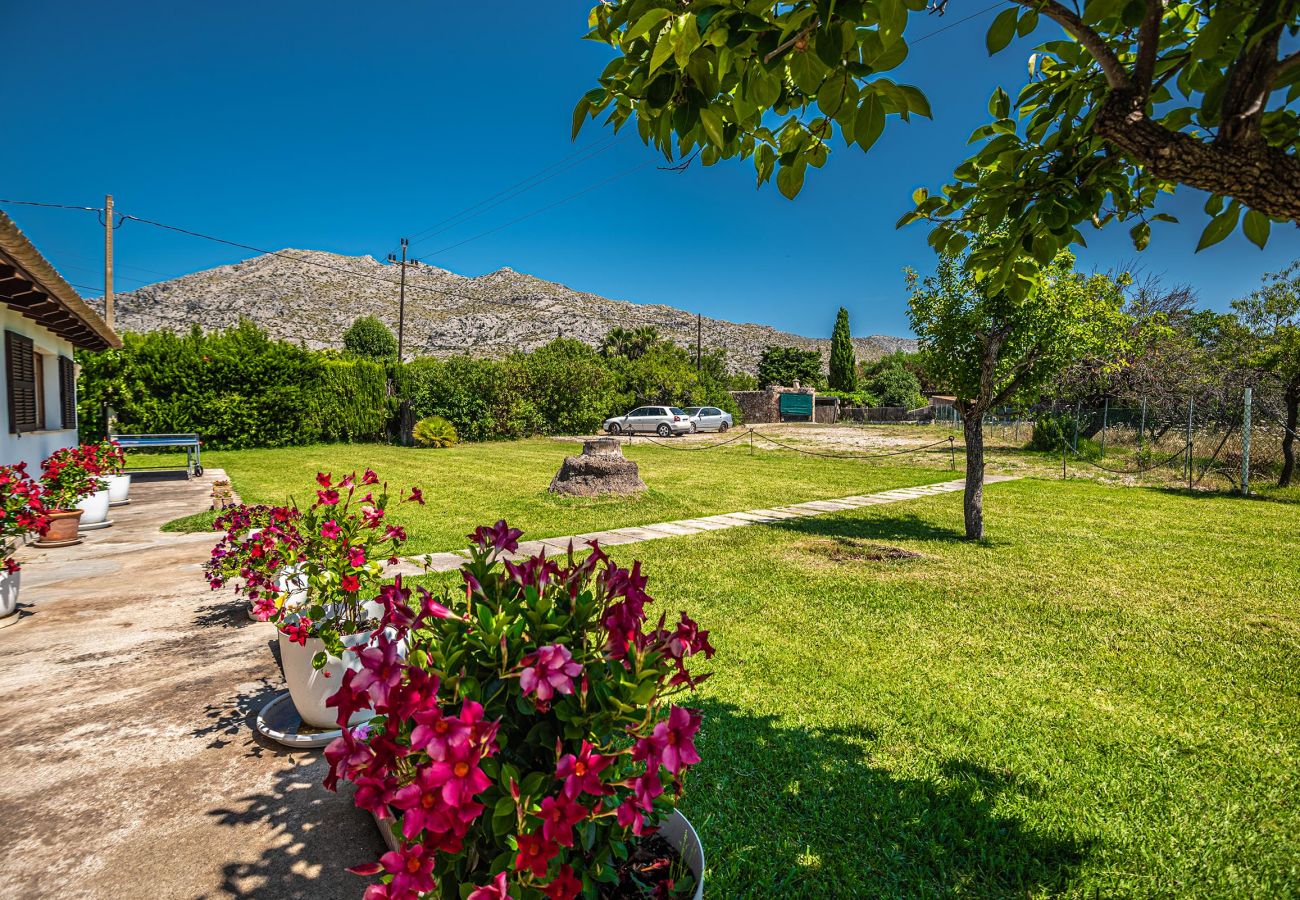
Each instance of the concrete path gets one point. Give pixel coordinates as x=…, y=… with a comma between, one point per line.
x=129, y=767
x=447, y=562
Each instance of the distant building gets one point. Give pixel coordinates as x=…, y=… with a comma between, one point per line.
x=44, y=320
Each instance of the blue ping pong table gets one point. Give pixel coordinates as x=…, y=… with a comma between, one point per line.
x=188, y=442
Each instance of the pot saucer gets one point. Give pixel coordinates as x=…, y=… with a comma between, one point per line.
x=279, y=721
x=117, y=503
x=96, y=526
x=11, y=619
x=54, y=544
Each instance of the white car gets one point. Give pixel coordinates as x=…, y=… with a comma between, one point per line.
x=662, y=420
x=709, y=418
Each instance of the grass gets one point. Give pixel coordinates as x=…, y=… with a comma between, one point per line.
x=1102, y=701
x=468, y=485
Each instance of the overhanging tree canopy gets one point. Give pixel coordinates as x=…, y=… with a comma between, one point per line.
x=1142, y=96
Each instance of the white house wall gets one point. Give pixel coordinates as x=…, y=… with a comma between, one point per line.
x=34, y=446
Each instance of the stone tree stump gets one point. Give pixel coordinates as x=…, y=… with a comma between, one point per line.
x=601, y=469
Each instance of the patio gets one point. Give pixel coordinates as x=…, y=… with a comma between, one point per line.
x=129, y=765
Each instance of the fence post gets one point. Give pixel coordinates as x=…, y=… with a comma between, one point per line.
x=1078, y=410
x=1191, y=406
x=1142, y=424
x=1245, y=447
x=1063, y=476
x=1105, y=420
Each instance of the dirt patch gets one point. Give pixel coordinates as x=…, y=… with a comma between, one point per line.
x=849, y=550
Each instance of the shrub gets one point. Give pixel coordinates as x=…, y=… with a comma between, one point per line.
x=525, y=731
x=434, y=431
x=370, y=338
x=350, y=401
x=786, y=365
x=68, y=475
x=570, y=386
x=1053, y=432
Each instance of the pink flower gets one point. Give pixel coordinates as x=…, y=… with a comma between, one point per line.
x=581, y=773
x=535, y=854
x=371, y=516
x=432, y=609
x=437, y=734
x=559, y=815
x=327, y=498
x=416, y=496
x=412, y=871
x=673, y=739
x=380, y=671
x=323, y=479
x=395, y=533
x=423, y=805
x=331, y=530
x=566, y=885
x=500, y=537
x=357, y=557
x=459, y=775
x=369, y=477
x=263, y=608
x=549, y=671
x=493, y=890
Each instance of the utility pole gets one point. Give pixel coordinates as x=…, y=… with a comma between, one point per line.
x=108, y=260
x=401, y=300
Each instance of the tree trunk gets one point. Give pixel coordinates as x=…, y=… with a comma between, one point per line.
x=1288, y=438
x=973, y=500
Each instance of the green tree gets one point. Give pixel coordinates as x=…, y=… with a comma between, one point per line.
x=1145, y=95
x=844, y=365
x=370, y=338
x=786, y=365
x=896, y=386
x=571, y=386
x=1271, y=318
x=991, y=347
x=629, y=343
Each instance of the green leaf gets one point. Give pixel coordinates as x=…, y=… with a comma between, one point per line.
x=688, y=40
x=1028, y=22
x=713, y=125
x=919, y=195
x=789, y=179
x=1141, y=234
x=580, y=116
x=1002, y=30
x=1256, y=226
x=644, y=24
x=663, y=49
x=916, y=101
x=1000, y=104
x=870, y=121
x=1220, y=226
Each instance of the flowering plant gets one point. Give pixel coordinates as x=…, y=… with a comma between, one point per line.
x=105, y=458
x=525, y=732
x=21, y=509
x=67, y=475
x=309, y=570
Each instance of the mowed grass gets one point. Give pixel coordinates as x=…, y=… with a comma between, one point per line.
x=472, y=484
x=1100, y=702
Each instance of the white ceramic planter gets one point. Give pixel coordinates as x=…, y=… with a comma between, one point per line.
x=94, y=508
x=9, y=594
x=119, y=486
x=310, y=688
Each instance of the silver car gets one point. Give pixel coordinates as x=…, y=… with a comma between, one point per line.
x=663, y=420
x=709, y=418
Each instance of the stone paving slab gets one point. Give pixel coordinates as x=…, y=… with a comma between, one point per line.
x=443, y=562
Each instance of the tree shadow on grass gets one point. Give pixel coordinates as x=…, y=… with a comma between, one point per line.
x=316, y=835
x=793, y=812
x=905, y=526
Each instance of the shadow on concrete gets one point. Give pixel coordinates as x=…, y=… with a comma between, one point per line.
x=233, y=719
x=787, y=811
x=317, y=835
x=226, y=613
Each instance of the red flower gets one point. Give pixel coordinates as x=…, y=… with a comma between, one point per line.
x=535, y=854
x=412, y=871
x=416, y=496
x=370, y=477
x=566, y=885
x=673, y=739
x=327, y=498
x=459, y=775
x=581, y=773
x=500, y=537
x=323, y=479
x=549, y=671
x=331, y=530
x=559, y=815
x=299, y=631
x=351, y=583
x=493, y=890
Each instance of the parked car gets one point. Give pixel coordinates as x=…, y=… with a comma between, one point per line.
x=663, y=420
x=709, y=418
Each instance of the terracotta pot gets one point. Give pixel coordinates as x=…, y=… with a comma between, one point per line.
x=119, y=486
x=310, y=688
x=63, y=526
x=94, y=508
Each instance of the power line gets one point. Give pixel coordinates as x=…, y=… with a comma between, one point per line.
x=961, y=21
x=95, y=209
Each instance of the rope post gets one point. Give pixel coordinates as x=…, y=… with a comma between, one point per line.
x=1245, y=446
x=1105, y=420
x=1191, y=406
x=1063, y=475
x=952, y=453
x=1078, y=410
x=751, y=442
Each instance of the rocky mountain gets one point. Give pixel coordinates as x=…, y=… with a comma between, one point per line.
x=313, y=296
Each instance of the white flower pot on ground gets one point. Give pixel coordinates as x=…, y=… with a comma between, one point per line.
x=9, y=596
x=119, y=486
x=310, y=688
x=94, y=509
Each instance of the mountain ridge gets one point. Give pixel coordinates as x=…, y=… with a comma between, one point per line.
x=313, y=296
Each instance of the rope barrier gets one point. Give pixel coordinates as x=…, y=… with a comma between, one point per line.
x=710, y=446
x=1138, y=471
x=948, y=441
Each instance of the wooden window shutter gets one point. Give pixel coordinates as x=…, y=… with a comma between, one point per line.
x=20, y=372
x=68, y=392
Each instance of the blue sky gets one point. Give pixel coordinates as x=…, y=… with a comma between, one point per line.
x=342, y=127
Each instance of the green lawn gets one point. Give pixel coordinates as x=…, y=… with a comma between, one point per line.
x=471, y=484
x=1101, y=702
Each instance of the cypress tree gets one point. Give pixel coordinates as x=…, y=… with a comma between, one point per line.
x=843, y=376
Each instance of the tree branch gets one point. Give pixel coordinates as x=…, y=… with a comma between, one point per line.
x=1249, y=78
x=1148, y=46
x=1113, y=69
x=1284, y=67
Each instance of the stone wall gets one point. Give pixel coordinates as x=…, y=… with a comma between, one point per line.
x=762, y=407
